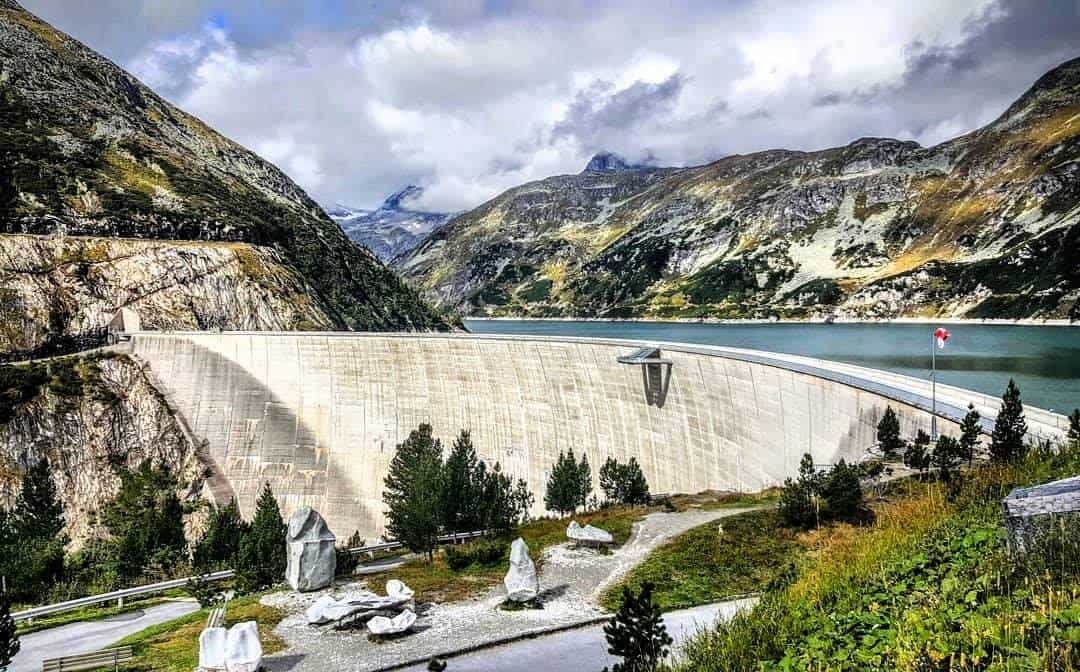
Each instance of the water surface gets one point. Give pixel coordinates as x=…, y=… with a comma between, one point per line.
x=1045, y=361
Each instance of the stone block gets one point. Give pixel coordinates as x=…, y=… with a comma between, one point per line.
x=312, y=558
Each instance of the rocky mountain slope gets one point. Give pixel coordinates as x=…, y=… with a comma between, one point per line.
x=985, y=225
x=90, y=416
x=394, y=228
x=86, y=150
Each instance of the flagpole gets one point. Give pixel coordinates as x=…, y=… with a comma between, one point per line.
x=933, y=388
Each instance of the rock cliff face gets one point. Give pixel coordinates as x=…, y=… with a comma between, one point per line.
x=87, y=150
x=90, y=417
x=985, y=225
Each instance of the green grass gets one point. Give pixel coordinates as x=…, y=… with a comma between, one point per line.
x=173, y=646
x=929, y=586
x=701, y=566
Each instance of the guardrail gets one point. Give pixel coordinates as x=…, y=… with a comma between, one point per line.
x=120, y=595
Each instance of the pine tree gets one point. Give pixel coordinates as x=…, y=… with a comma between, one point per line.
x=1007, y=440
x=262, y=556
x=9, y=638
x=38, y=510
x=946, y=456
x=917, y=456
x=563, y=490
x=1074, y=425
x=635, y=487
x=637, y=633
x=219, y=546
x=798, y=504
x=888, y=434
x=970, y=431
x=584, y=480
x=523, y=501
x=413, y=491
x=461, y=493
x=610, y=480
x=842, y=490
x=146, y=520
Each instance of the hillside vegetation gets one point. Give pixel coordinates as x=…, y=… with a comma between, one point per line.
x=929, y=586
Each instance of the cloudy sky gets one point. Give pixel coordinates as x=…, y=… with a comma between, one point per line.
x=355, y=99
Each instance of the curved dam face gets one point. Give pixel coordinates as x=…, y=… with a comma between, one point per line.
x=318, y=415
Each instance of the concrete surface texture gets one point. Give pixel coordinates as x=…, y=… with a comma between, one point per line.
x=318, y=415
x=90, y=636
x=571, y=580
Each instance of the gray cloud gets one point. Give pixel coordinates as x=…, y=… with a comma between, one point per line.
x=356, y=98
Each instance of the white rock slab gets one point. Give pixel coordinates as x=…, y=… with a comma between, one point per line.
x=243, y=651
x=588, y=534
x=381, y=625
x=522, y=583
x=312, y=558
x=212, y=649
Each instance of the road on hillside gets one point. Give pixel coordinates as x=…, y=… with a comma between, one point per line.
x=583, y=649
x=89, y=636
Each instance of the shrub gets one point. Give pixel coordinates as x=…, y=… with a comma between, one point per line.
x=917, y=456
x=798, y=505
x=484, y=553
x=842, y=490
x=1074, y=425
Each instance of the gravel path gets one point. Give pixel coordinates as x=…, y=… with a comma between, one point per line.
x=570, y=582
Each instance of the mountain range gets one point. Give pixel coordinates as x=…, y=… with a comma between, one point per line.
x=982, y=226
x=111, y=197
x=394, y=228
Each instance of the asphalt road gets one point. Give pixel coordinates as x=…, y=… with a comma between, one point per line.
x=89, y=636
x=583, y=649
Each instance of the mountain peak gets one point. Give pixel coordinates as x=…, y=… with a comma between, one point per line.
x=396, y=200
x=607, y=162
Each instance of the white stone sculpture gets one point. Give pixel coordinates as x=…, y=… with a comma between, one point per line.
x=326, y=609
x=212, y=650
x=312, y=558
x=397, y=589
x=381, y=625
x=521, y=581
x=243, y=652
x=588, y=534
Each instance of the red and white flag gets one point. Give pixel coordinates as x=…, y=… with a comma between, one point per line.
x=941, y=335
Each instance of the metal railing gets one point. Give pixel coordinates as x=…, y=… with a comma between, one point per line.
x=120, y=595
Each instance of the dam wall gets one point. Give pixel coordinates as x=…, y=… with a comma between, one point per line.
x=318, y=415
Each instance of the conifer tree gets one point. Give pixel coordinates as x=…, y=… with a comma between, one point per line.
x=798, y=505
x=9, y=637
x=38, y=511
x=635, y=486
x=842, y=490
x=563, y=493
x=945, y=457
x=610, y=479
x=888, y=434
x=637, y=633
x=262, y=556
x=413, y=491
x=146, y=520
x=1074, y=425
x=219, y=546
x=584, y=480
x=461, y=490
x=970, y=430
x=1007, y=440
x=917, y=456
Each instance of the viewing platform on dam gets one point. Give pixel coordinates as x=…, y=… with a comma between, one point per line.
x=318, y=415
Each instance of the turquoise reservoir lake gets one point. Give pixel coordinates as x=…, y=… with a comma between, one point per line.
x=1045, y=361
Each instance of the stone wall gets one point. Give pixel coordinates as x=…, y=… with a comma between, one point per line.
x=319, y=415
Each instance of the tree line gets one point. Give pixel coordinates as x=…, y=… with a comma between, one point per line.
x=569, y=485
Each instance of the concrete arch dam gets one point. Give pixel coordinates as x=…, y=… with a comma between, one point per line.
x=318, y=415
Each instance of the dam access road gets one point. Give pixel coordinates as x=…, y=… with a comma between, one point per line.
x=318, y=415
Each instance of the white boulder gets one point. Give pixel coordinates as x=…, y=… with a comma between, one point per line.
x=398, y=590
x=521, y=581
x=327, y=609
x=243, y=652
x=588, y=534
x=312, y=558
x=381, y=625
x=212, y=649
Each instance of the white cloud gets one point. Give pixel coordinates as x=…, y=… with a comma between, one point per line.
x=468, y=103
